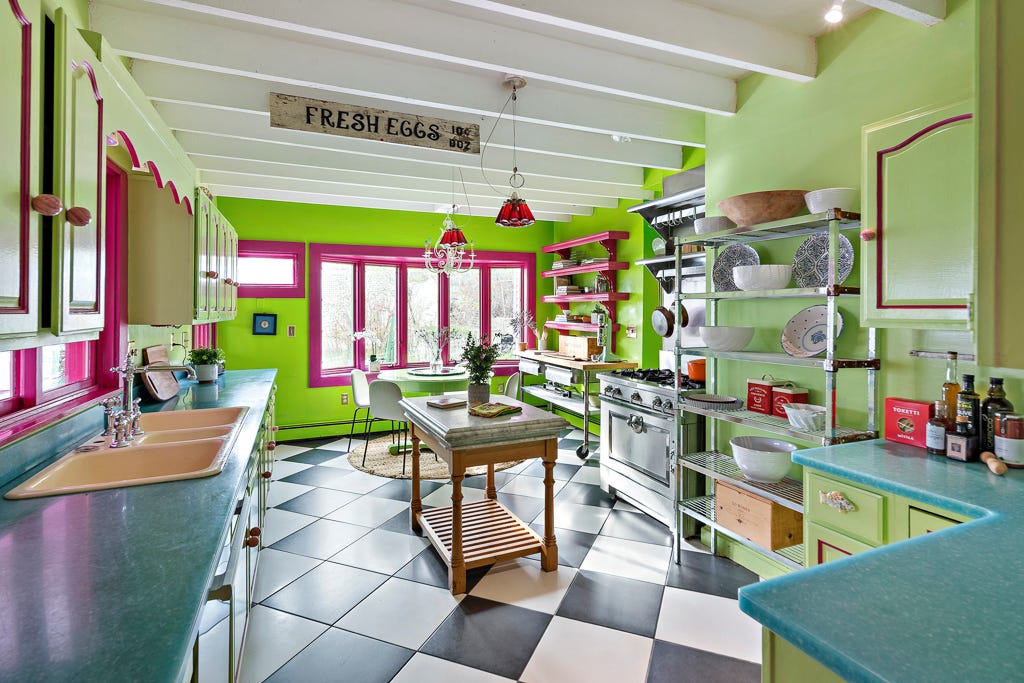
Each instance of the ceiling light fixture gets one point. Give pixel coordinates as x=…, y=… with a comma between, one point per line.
x=450, y=254
x=514, y=213
x=835, y=13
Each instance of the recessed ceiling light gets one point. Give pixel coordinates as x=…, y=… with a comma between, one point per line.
x=835, y=13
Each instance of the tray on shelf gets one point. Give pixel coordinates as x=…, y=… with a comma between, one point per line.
x=702, y=508
x=788, y=492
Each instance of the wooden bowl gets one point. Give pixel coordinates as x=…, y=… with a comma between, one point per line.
x=763, y=207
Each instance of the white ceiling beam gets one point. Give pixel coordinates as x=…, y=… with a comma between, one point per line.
x=445, y=187
x=423, y=33
x=336, y=200
x=674, y=27
x=927, y=12
x=207, y=47
x=180, y=117
x=175, y=85
x=437, y=199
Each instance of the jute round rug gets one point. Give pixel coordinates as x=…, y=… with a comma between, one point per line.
x=380, y=461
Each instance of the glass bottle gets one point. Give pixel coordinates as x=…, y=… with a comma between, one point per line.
x=951, y=387
x=935, y=431
x=994, y=403
x=968, y=408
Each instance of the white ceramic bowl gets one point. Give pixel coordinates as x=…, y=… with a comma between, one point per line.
x=805, y=416
x=844, y=198
x=772, y=276
x=722, y=338
x=762, y=459
x=707, y=224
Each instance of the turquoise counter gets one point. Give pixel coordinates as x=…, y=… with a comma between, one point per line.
x=941, y=607
x=108, y=585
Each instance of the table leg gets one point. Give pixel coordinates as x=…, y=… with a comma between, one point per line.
x=492, y=492
x=549, y=553
x=416, y=506
x=457, y=570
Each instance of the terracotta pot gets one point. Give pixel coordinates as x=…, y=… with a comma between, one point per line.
x=523, y=346
x=697, y=370
x=478, y=393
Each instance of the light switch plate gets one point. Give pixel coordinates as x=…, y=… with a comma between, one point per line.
x=291, y=330
x=631, y=331
x=344, y=399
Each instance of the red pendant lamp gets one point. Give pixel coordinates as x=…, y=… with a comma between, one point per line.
x=514, y=212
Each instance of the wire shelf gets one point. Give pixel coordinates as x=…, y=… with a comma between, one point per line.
x=788, y=492
x=781, y=426
x=702, y=508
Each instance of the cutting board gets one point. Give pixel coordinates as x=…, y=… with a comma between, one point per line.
x=161, y=385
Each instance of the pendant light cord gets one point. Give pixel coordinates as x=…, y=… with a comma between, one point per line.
x=487, y=142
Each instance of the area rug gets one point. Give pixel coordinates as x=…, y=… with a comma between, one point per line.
x=381, y=462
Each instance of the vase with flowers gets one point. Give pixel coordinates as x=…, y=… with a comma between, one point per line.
x=434, y=339
x=372, y=342
x=479, y=356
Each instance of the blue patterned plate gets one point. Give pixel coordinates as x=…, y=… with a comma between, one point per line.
x=806, y=333
x=810, y=262
x=733, y=255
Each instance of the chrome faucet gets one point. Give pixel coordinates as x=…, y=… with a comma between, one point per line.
x=124, y=421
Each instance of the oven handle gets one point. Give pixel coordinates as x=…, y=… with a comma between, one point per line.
x=636, y=423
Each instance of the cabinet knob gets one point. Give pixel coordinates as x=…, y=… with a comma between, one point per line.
x=274, y=428
x=47, y=204
x=211, y=274
x=79, y=216
x=868, y=235
x=835, y=499
x=266, y=475
x=255, y=531
x=271, y=445
x=252, y=541
x=228, y=281
x=235, y=283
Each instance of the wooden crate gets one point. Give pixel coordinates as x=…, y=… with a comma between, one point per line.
x=578, y=347
x=757, y=519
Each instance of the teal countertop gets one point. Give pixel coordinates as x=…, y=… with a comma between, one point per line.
x=940, y=607
x=109, y=585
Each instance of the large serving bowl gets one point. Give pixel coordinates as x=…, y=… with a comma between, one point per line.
x=763, y=207
x=703, y=226
x=805, y=416
x=844, y=198
x=722, y=338
x=772, y=276
x=762, y=459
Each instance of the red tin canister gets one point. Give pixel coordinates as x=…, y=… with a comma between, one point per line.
x=787, y=394
x=759, y=394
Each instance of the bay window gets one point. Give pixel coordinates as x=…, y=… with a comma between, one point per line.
x=381, y=301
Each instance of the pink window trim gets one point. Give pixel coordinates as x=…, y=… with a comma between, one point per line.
x=360, y=254
x=12, y=403
x=295, y=251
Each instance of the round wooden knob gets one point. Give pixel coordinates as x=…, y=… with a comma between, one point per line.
x=228, y=281
x=266, y=475
x=79, y=216
x=275, y=428
x=47, y=204
x=271, y=445
x=868, y=235
x=235, y=283
x=255, y=531
x=252, y=541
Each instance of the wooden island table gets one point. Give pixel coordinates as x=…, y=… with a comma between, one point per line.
x=483, y=532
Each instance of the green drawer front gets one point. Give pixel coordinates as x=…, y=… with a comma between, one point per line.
x=922, y=522
x=866, y=522
x=823, y=545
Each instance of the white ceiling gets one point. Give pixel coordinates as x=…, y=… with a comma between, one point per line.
x=647, y=70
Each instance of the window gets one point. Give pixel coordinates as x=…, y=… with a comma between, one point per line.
x=386, y=291
x=64, y=365
x=271, y=269
x=8, y=388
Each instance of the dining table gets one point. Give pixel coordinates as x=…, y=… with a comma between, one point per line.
x=422, y=380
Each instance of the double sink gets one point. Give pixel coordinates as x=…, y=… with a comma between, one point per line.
x=185, y=444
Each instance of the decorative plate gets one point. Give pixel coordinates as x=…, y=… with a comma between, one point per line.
x=733, y=255
x=806, y=333
x=810, y=263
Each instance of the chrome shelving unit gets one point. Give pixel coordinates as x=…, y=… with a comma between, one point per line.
x=694, y=502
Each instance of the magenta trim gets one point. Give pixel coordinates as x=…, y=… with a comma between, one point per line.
x=114, y=338
x=296, y=251
x=25, y=159
x=879, y=198
x=137, y=165
x=587, y=239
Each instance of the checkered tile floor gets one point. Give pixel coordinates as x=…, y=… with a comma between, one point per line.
x=346, y=592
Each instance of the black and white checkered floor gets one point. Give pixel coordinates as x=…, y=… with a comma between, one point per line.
x=346, y=592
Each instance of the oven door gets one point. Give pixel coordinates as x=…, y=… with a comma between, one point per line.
x=638, y=439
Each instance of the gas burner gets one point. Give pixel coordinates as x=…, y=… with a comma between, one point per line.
x=660, y=377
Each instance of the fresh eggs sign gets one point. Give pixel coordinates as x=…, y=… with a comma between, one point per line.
x=319, y=116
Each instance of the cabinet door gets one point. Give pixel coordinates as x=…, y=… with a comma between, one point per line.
x=202, y=287
x=20, y=49
x=919, y=180
x=823, y=545
x=922, y=522
x=79, y=174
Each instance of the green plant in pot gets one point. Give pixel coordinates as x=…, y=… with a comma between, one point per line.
x=206, y=362
x=479, y=356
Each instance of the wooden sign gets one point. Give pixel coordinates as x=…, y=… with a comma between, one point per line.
x=320, y=116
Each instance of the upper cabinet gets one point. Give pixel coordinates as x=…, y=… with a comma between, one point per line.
x=920, y=200
x=20, y=77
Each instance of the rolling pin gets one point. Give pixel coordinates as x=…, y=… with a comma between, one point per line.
x=995, y=464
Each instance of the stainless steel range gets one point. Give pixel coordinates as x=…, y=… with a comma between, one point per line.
x=638, y=440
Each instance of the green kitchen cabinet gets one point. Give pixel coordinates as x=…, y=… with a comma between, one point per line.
x=822, y=545
x=20, y=77
x=920, y=198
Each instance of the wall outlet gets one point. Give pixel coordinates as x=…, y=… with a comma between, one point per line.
x=631, y=331
x=291, y=330
x=344, y=399
x=501, y=387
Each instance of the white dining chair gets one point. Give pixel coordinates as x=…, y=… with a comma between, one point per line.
x=512, y=386
x=361, y=400
x=384, y=398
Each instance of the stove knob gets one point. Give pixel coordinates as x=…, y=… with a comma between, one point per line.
x=616, y=392
x=636, y=398
x=608, y=390
x=656, y=403
x=667, y=406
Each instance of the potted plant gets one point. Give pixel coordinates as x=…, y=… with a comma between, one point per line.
x=523, y=321
x=372, y=341
x=479, y=356
x=206, y=362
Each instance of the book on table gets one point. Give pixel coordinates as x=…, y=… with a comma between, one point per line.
x=446, y=402
x=494, y=409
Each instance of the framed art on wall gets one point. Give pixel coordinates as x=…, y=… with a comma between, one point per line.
x=264, y=323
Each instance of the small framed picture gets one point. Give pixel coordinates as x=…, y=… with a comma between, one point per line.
x=264, y=323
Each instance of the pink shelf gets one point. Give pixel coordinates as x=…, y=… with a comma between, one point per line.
x=590, y=268
x=577, y=327
x=588, y=239
x=573, y=298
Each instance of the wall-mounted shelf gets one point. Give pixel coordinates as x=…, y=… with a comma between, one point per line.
x=606, y=239
x=602, y=297
x=589, y=268
x=576, y=327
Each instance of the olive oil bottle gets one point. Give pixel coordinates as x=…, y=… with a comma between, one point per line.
x=951, y=387
x=994, y=403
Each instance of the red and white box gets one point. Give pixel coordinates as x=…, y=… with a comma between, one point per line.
x=784, y=395
x=906, y=420
x=759, y=394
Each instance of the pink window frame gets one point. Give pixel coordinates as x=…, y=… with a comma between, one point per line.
x=12, y=402
x=294, y=251
x=361, y=255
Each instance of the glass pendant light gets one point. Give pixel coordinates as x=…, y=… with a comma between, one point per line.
x=514, y=212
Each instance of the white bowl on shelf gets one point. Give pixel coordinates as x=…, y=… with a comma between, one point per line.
x=768, y=276
x=805, y=416
x=820, y=201
x=724, y=338
x=761, y=459
x=703, y=226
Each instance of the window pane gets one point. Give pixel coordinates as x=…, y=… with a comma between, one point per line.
x=266, y=270
x=463, y=309
x=337, y=296
x=6, y=374
x=422, y=314
x=379, y=315
x=506, y=301
x=64, y=364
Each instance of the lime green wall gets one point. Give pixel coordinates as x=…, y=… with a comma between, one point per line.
x=266, y=220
